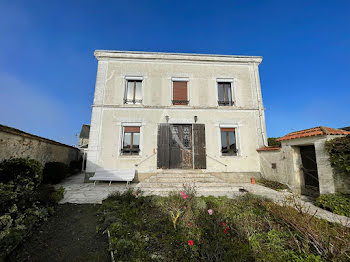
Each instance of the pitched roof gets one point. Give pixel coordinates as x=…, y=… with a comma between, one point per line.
x=85, y=131
x=316, y=131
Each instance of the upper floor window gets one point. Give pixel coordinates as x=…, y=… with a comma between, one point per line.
x=225, y=94
x=131, y=140
x=180, y=94
x=228, y=141
x=133, y=92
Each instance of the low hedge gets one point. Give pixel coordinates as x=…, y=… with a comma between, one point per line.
x=24, y=201
x=55, y=172
x=337, y=203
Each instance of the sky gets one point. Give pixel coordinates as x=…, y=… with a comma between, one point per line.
x=48, y=71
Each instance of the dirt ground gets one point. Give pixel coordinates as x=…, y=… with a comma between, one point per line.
x=69, y=235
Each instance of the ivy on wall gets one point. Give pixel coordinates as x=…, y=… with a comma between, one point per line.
x=339, y=153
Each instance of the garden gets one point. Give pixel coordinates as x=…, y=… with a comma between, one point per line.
x=183, y=227
x=27, y=198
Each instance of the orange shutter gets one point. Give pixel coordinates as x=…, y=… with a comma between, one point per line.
x=227, y=129
x=180, y=91
x=132, y=129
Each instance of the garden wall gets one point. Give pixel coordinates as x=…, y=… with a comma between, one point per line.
x=15, y=143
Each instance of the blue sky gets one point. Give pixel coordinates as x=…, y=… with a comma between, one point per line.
x=48, y=71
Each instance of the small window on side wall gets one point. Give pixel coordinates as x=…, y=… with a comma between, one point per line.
x=131, y=140
x=180, y=93
x=224, y=94
x=228, y=141
x=133, y=92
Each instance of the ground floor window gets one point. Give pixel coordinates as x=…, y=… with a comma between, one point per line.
x=131, y=140
x=228, y=141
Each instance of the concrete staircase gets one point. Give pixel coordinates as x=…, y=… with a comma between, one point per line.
x=174, y=180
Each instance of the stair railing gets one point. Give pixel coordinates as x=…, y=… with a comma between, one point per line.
x=217, y=161
x=145, y=159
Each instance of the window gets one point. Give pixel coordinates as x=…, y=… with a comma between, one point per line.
x=180, y=93
x=133, y=93
x=228, y=141
x=224, y=94
x=131, y=140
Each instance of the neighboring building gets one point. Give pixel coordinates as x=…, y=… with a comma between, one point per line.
x=303, y=163
x=155, y=111
x=84, y=136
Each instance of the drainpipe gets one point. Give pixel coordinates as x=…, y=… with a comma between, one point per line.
x=260, y=104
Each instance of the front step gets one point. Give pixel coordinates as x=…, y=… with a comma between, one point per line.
x=175, y=180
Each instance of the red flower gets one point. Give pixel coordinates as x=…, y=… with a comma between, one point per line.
x=226, y=229
x=190, y=224
x=190, y=242
x=223, y=224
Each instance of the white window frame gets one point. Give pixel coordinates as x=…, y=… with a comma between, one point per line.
x=133, y=78
x=233, y=90
x=237, y=137
x=124, y=124
x=180, y=79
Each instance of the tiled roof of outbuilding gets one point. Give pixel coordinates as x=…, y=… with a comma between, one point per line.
x=316, y=131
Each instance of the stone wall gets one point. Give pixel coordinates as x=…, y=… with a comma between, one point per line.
x=288, y=164
x=15, y=143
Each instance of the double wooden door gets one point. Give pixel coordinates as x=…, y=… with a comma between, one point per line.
x=181, y=146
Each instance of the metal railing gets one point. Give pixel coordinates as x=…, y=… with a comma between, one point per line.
x=130, y=151
x=225, y=103
x=217, y=161
x=180, y=102
x=132, y=101
x=145, y=159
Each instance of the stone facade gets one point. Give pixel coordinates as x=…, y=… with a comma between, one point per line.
x=15, y=143
x=288, y=163
x=157, y=71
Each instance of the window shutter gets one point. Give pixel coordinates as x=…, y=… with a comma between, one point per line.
x=199, y=151
x=163, y=140
x=227, y=129
x=131, y=129
x=180, y=91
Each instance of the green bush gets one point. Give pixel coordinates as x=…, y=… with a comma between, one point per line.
x=24, y=202
x=21, y=171
x=75, y=166
x=337, y=203
x=55, y=172
x=339, y=153
x=272, y=141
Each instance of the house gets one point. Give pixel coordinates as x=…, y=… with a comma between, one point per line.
x=303, y=163
x=84, y=136
x=160, y=111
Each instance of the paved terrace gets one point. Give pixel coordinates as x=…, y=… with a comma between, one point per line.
x=76, y=191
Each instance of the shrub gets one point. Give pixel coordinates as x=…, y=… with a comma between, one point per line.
x=24, y=202
x=339, y=153
x=75, y=166
x=55, y=172
x=337, y=203
x=21, y=171
x=273, y=184
x=272, y=141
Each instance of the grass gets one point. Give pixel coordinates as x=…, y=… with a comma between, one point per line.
x=183, y=227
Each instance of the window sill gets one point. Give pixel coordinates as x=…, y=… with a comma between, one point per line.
x=130, y=156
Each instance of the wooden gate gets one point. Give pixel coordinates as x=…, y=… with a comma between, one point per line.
x=176, y=148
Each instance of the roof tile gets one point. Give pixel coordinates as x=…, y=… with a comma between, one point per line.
x=316, y=131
